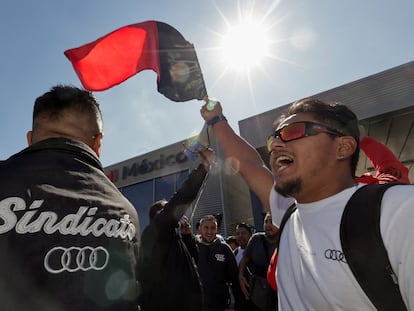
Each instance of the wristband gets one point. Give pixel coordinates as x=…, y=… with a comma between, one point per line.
x=216, y=119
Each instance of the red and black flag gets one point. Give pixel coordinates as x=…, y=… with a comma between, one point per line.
x=117, y=56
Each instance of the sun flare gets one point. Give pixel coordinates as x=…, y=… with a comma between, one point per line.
x=245, y=45
x=252, y=41
x=250, y=37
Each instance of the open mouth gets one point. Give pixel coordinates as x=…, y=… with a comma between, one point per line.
x=282, y=162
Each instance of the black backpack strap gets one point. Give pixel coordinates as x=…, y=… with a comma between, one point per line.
x=364, y=249
x=285, y=218
x=265, y=247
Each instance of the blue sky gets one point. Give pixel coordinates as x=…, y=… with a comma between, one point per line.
x=314, y=45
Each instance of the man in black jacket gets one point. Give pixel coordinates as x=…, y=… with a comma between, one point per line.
x=218, y=269
x=167, y=270
x=68, y=238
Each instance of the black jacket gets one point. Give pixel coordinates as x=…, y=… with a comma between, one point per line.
x=218, y=270
x=167, y=271
x=68, y=238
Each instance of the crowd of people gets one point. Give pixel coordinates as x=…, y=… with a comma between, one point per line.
x=71, y=241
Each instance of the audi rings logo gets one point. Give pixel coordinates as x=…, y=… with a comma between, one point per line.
x=334, y=254
x=73, y=259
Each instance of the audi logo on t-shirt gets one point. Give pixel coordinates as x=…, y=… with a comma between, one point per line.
x=73, y=259
x=335, y=254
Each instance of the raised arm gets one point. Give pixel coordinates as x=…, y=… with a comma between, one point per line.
x=243, y=157
x=182, y=199
x=387, y=166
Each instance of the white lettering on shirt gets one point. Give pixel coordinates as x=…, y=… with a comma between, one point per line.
x=81, y=223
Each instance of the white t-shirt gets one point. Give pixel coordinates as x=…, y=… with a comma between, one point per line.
x=312, y=273
x=239, y=255
x=278, y=206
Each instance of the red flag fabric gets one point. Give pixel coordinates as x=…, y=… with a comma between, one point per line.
x=117, y=56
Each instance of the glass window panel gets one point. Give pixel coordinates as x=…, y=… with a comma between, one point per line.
x=181, y=178
x=141, y=195
x=164, y=187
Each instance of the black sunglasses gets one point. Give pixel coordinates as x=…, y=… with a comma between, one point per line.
x=299, y=130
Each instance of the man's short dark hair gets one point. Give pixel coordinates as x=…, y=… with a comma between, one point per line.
x=246, y=226
x=209, y=217
x=52, y=105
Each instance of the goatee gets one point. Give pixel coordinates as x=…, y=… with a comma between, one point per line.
x=289, y=188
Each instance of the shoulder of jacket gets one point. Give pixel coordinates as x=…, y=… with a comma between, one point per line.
x=258, y=235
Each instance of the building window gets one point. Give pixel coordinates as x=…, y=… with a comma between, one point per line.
x=164, y=187
x=142, y=195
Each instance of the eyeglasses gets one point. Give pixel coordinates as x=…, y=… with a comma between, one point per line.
x=299, y=130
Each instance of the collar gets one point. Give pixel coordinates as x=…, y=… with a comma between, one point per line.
x=65, y=145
